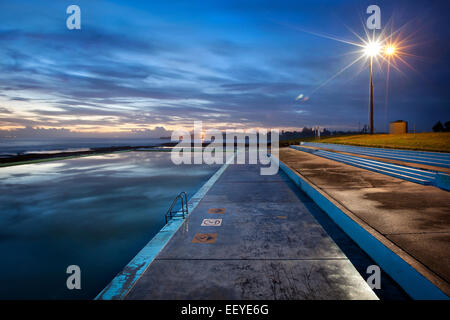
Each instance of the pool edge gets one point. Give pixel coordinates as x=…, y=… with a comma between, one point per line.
x=124, y=281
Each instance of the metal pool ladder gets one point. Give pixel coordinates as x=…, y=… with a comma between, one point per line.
x=184, y=207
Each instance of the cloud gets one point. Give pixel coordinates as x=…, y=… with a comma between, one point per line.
x=64, y=133
x=4, y=110
x=171, y=67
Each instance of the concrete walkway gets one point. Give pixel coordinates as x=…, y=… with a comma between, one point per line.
x=411, y=219
x=267, y=245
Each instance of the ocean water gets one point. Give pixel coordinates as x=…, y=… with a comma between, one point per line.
x=10, y=147
x=95, y=212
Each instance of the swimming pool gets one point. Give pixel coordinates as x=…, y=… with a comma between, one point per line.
x=96, y=212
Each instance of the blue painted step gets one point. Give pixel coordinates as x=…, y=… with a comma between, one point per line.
x=437, y=159
x=402, y=172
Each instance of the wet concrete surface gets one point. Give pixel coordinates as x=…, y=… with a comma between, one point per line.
x=414, y=217
x=250, y=279
x=273, y=243
x=428, y=246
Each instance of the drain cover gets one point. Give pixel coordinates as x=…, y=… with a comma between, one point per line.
x=217, y=210
x=205, y=238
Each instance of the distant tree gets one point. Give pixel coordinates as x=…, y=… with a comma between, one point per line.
x=438, y=127
x=326, y=132
x=447, y=126
x=307, y=131
x=365, y=128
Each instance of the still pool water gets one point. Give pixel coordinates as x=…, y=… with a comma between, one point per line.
x=95, y=212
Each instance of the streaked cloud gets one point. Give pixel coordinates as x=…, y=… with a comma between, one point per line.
x=137, y=65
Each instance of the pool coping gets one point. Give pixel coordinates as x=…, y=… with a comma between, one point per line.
x=410, y=274
x=124, y=281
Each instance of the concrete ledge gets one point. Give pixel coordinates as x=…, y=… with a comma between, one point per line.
x=394, y=261
x=404, y=173
x=440, y=180
x=118, y=288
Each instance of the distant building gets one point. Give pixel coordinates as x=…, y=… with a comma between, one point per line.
x=398, y=127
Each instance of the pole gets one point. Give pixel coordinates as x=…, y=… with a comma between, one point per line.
x=371, y=97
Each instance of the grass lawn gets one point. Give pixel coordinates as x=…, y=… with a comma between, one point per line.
x=420, y=141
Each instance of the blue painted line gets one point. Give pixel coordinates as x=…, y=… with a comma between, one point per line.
x=120, y=285
x=402, y=172
x=423, y=157
x=411, y=170
x=414, y=284
x=413, y=153
x=422, y=177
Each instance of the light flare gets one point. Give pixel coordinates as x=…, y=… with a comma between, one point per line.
x=389, y=50
x=386, y=46
x=372, y=48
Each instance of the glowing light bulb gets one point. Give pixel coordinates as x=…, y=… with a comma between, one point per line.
x=372, y=49
x=389, y=50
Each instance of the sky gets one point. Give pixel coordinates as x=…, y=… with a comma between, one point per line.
x=148, y=67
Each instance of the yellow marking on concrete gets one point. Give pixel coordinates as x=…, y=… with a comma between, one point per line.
x=281, y=217
x=217, y=210
x=205, y=238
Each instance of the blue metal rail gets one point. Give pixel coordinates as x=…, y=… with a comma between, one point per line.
x=402, y=172
x=437, y=159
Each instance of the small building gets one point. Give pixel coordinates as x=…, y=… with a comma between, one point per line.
x=398, y=127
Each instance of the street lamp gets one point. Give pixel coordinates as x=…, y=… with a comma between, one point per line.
x=389, y=50
x=372, y=49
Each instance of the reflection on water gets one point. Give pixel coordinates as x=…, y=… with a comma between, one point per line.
x=96, y=212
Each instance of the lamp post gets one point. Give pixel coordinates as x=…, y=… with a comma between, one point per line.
x=372, y=49
x=371, y=96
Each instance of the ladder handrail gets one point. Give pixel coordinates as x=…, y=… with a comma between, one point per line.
x=184, y=206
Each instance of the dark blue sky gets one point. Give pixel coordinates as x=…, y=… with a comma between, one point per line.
x=232, y=64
